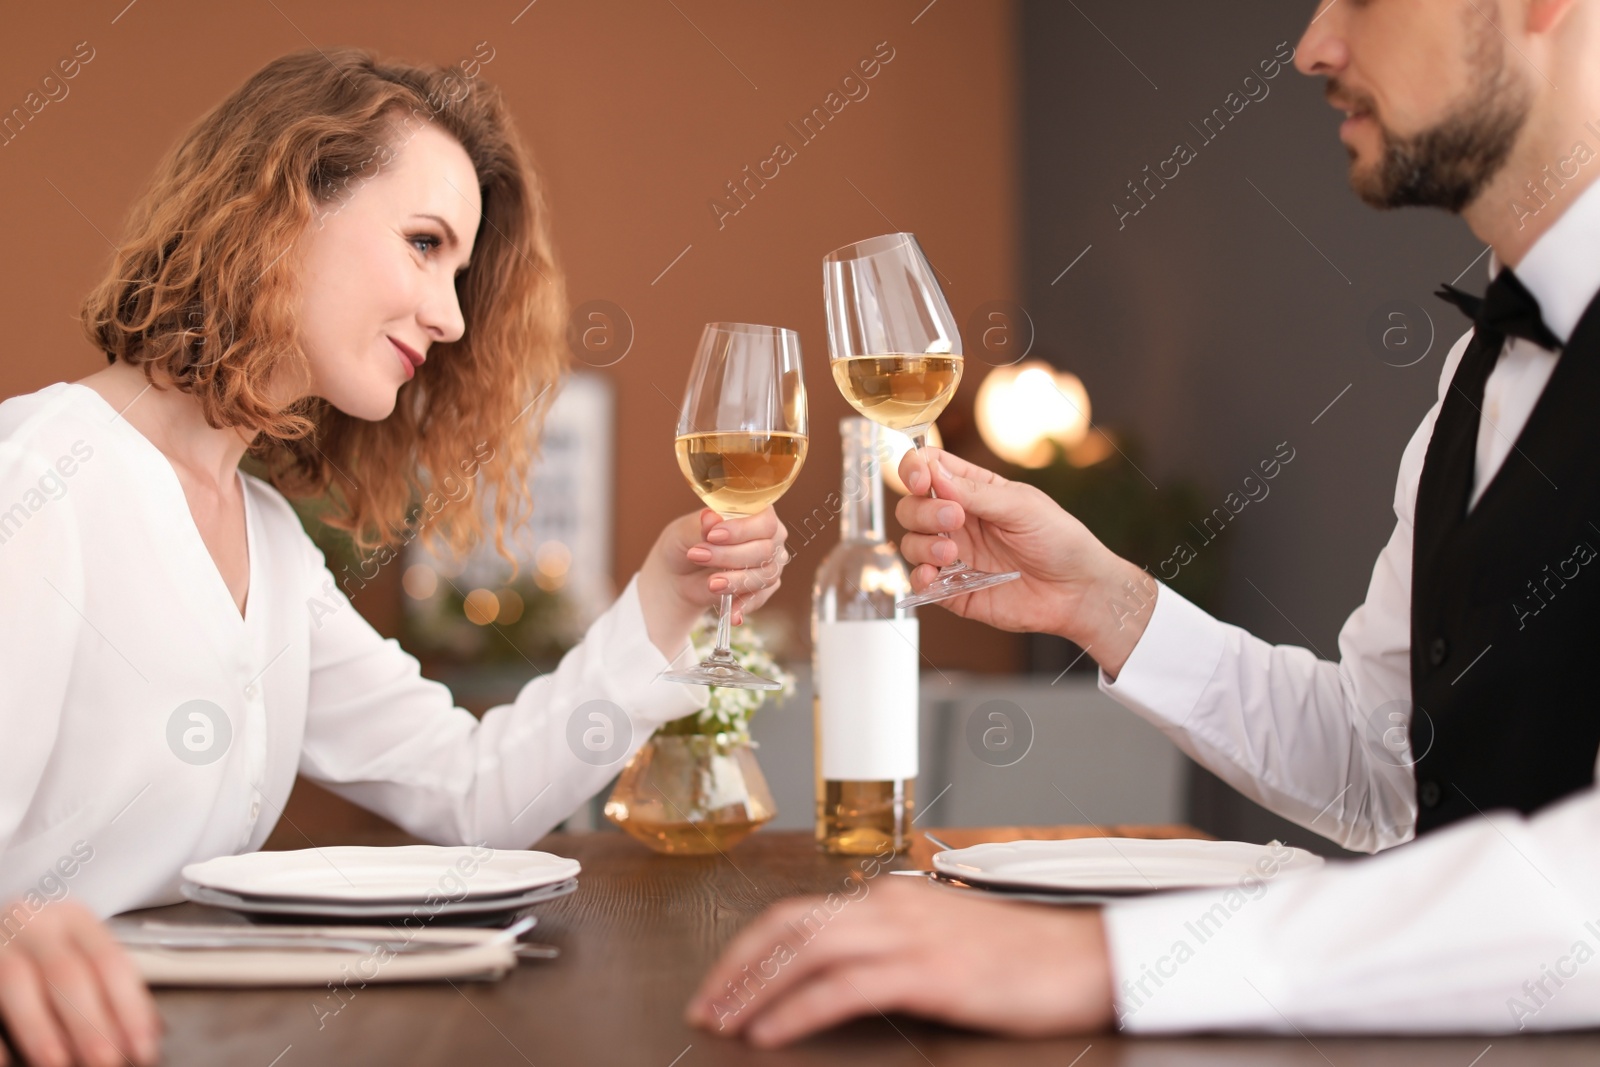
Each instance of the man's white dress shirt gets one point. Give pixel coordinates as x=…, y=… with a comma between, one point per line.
x=115, y=622
x=1490, y=924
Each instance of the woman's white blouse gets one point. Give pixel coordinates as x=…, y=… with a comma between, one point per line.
x=144, y=724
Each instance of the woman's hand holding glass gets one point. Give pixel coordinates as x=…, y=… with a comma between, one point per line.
x=742, y=439
x=701, y=556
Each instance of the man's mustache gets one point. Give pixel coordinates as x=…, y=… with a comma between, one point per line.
x=1348, y=99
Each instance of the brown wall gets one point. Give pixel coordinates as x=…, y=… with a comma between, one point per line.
x=638, y=117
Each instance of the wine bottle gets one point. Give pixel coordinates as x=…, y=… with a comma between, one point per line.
x=864, y=669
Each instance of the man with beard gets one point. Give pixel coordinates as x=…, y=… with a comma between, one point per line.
x=1462, y=686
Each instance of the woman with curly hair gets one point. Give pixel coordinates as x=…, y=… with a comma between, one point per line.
x=344, y=270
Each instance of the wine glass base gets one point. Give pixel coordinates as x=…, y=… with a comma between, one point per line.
x=956, y=581
x=728, y=676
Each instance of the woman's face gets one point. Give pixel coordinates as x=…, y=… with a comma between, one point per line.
x=379, y=281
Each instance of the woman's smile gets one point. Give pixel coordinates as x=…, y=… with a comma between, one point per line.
x=410, y=359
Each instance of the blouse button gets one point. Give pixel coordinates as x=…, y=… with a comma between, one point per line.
x=250, y=690
x=255, y=809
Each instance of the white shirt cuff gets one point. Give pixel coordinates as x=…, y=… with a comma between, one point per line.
x=1173, y=662
x=627, y=648
x=1179, y=961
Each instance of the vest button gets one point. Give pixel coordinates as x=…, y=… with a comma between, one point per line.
x=1438, y=650
x=1429, y=794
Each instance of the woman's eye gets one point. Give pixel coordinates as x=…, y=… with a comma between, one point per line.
x=427, y=241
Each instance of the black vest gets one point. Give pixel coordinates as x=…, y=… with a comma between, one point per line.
x=1505, y=608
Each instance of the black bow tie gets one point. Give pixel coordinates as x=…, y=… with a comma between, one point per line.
x=1506, y=309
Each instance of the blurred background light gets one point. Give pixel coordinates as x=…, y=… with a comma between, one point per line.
x=481, y=607
x=420, y=581
x=1023, y=411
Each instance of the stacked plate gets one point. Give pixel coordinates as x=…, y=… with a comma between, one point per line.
x=423, y=883
x=1100, y=869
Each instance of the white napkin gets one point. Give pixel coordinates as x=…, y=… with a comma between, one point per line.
x=480, y=956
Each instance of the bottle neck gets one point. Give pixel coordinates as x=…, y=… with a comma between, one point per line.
x=862, y=516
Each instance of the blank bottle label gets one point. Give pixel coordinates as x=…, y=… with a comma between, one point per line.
x=868, y=693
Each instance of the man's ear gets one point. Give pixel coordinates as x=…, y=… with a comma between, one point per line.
x=1546, y=15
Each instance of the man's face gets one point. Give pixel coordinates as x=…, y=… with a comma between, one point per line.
x=1434, y=93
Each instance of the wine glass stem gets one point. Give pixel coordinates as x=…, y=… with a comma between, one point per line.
x=724, y=628
x=919, y=441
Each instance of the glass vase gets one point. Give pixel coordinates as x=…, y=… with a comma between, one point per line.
x=692, y=793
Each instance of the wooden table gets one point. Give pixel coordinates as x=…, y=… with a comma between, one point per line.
x=636, y=938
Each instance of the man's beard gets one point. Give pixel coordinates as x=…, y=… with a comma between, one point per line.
x=1449, y=164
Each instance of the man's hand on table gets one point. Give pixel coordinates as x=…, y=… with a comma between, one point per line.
x=1024, y=970
x=69, y=993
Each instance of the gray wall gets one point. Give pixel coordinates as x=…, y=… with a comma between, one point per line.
x=1073, y=755
x=1207, y=325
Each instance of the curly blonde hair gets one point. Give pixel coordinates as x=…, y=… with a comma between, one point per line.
x=203, y=287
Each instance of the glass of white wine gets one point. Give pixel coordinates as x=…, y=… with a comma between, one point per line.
x=896, y=356
x=742, y=439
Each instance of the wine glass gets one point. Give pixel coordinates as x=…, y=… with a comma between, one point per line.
x=896, y=356
x=741, y=441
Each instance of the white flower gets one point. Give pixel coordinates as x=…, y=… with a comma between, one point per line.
x=731, y=708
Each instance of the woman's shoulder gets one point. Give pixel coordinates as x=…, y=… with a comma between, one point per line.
x=47, y=439
x=57, y=427
x=29, y=418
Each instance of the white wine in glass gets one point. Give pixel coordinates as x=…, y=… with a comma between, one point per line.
x=902, y=392
x=740, y=473
x=742, y=438
x=896, y=357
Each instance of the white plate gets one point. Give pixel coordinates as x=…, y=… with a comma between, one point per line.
x=489, y=909
x=393, y=875
x=1120, y=864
